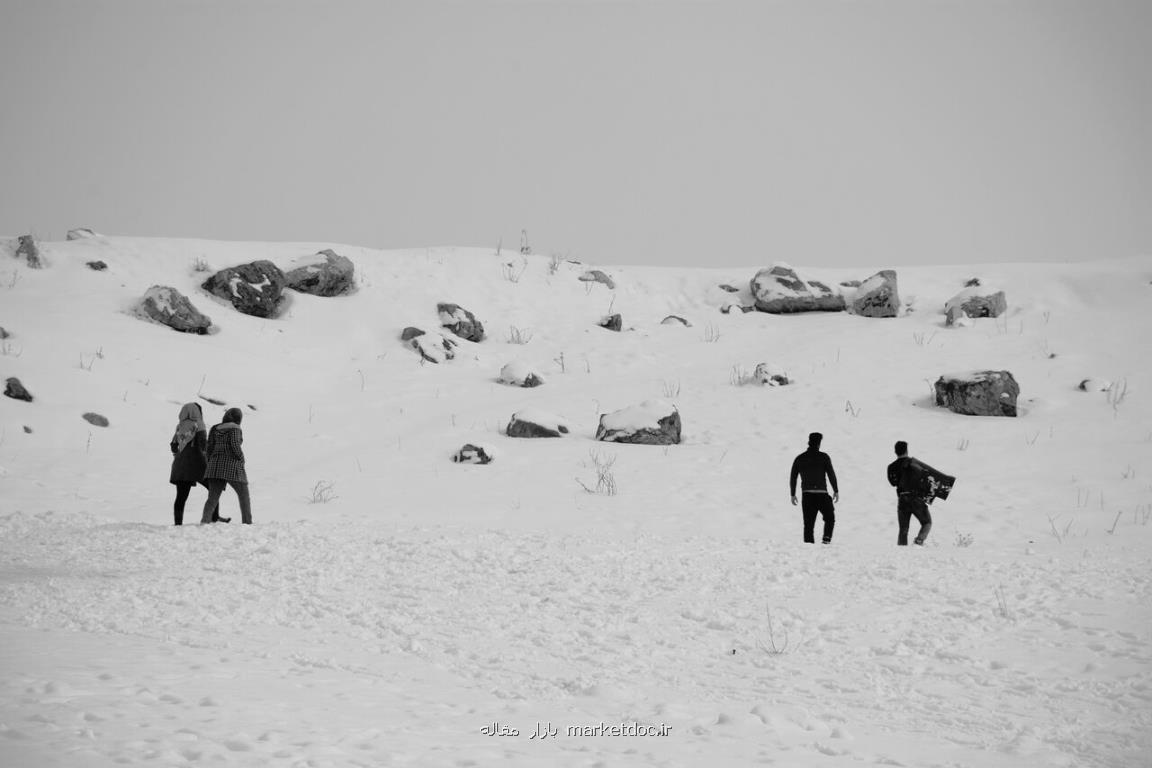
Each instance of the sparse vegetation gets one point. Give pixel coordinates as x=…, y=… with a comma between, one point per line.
x=922, y=339
x=740, y=376
x=323, y=492
x=512, y=273
x=769, y=643
x=605, y=477
x=200, y=265
x=1117, y=393
x=1002, y=609
x=962, y=444
x=711, y=333
x=670, y=389
x=519, y=335
x=963, y=539
x=1060, y=534
x=851, y=410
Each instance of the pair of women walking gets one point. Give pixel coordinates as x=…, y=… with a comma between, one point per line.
x=213, y=459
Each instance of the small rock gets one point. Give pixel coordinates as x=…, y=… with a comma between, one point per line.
x=97, y=266
x=473, y=454
x=675, y=320
x=460, y=321
x=27, y=429
x=3, y=333
x=410, y=333
x=612, y=322
x=770, y=376
x=972, y=282
x=15, y=390
x=169, y=307
x=95, y=419
x=534, y=423
x=81, y=233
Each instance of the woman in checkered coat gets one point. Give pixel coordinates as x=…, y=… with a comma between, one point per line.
x=226, y=465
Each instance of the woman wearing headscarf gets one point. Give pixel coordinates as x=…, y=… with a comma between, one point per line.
x=226, y=465
x=188, y=461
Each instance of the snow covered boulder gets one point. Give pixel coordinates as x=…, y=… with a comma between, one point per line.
x=460, y=321
x=255, y=289
x=979, y=393
x=978, y=302
x=169, y=307
x=520, y=374
x=596, y=276
x=779, y=289
x=432, y=347
x=1094, y=385
x=81, y=233
x=877, y=296
x=532, y=422
x=95, y=419
x=15, y=390
x=653, y=422
x=331, y=275
x=675, y=320
x=473, y=454
x=27, y=249
x=770, y=376
x=612, y=322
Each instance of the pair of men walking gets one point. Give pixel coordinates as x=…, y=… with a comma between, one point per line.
x=814, y=469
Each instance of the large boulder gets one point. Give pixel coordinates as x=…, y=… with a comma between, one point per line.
x=432, y=347
x=521, y=375
x=877, y=296
x=779, y=289
x=331, y=275
x=979, y=393
x=653, y=422
x=977, y=302
x=532, y=422
x=460, y=321
x=169, y=307
x=15, y=390
x=81, y=233
x=255, y=289
x=27, y=249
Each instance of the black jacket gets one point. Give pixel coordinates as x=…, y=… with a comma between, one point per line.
x=811, y=466
x=188, y=465
x=909, y=475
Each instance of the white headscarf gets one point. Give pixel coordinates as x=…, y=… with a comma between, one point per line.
x=191, y=421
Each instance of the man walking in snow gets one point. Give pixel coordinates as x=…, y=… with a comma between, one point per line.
x=811, y=467
x=913, y=493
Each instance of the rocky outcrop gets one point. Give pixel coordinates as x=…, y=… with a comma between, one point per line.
x=169, y=307
x=27, y=249
x=460, y=321
x=81, y=233
x=432, y=347
x=95, y=419
x=877, y=296
x=675, y=320
x=596, y=276
x=536, y=423
x=978, y=302
x=473, y=454
x=770, y=376
x=979, y=393
x=653, y=422
x=612, y=322
x=15, y=390
x=520, y=375
x=779, y=290
x=255, y=289
x=325, y=274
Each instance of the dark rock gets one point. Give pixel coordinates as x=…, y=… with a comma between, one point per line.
x=169, y=307
x=980, y=393
x=81, y=233
x=596, y=276
x=28, y=250
x=97, y=266
x=472, y=454
x=255, y=289
x=773, y=377
x=213, y=400
x=15, y=390
x=612, y=322
x=460, y=321
x=3, y=333
x=520, y=375
x=978, y=303
x=334, y=276
x=729, y=288
x=778, y=289
x=251, y=407
x=655, y=422
x=675, y=320
x=877, y=296
x=433, y=347
x=27, y=429
x=533, y=424
x=410, y=333
x=850, y=283
x=972, y=282
x=95, y=419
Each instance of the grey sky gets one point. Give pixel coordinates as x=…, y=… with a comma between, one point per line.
x=821, y=133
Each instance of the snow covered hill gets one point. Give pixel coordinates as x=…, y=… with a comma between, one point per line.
x=389, y=606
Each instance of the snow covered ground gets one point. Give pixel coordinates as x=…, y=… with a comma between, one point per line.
x=427, y=604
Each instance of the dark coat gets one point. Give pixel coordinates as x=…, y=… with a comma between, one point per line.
x=811, y=467
x=188, y=465
x=225, y=457
x=910, y=475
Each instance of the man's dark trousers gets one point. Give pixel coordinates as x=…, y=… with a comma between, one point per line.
x=908, y=506
x=811, y=503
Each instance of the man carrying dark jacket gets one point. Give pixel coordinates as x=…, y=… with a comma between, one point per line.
x=811, y=467
x=912, y=493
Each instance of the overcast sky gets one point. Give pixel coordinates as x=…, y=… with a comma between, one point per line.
x=707, y=133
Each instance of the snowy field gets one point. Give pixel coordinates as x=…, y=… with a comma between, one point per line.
x=425, y=604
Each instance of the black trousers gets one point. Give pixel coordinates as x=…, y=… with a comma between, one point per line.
x=907, y=507
x=215, y=488
x=811, y=504
x=182, y=491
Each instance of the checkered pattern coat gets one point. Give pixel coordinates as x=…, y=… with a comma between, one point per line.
x=225, y=457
